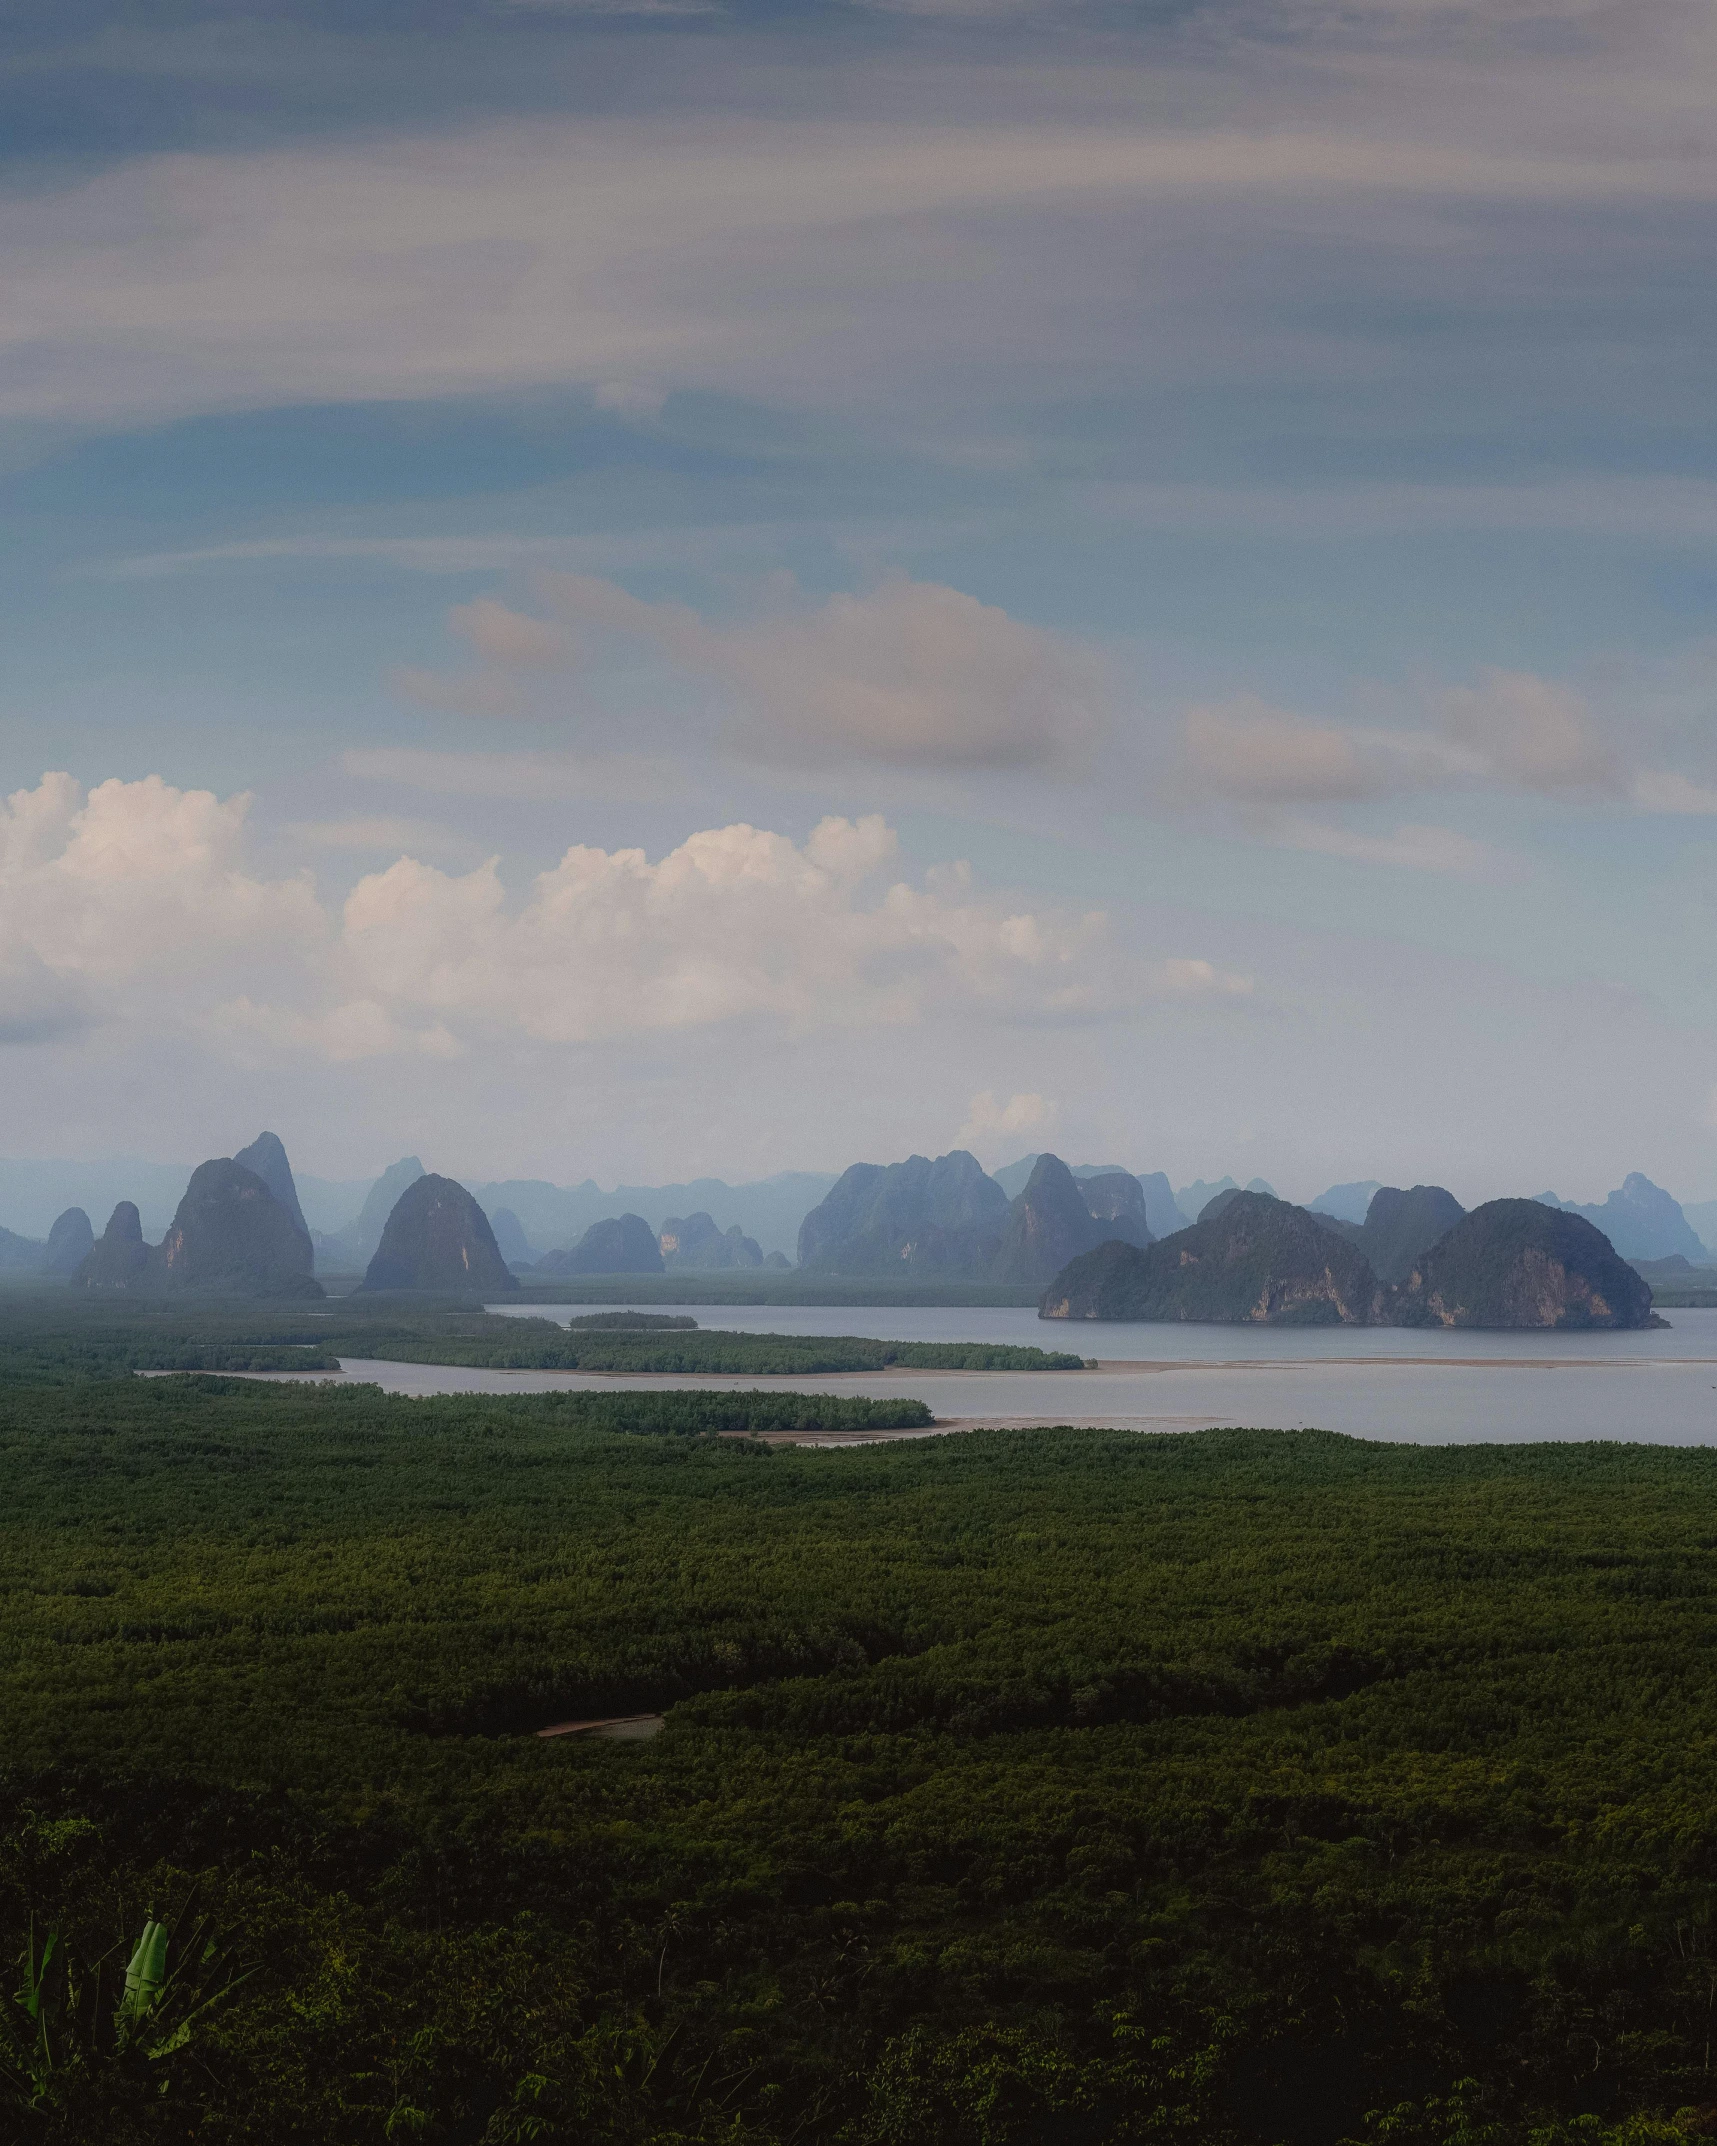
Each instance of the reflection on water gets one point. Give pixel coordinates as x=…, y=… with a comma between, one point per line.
x=1390, y=1383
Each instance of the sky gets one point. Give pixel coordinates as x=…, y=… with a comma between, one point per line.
x=672, y=587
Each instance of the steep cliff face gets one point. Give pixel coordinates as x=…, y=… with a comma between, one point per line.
x=1117, y=1201
x=1257, y=1261
x=912, y=1217
x=438, y=1238
x=1047, y=1225
x=1401, y=1226
x=352, y=1248
x=1162, y=1214
x=695, y=1241
x=510, y=1238
x=1515, y=1263
x=232, y=1237
x=118, y=1259
x=70, y=1242
x=266, y=1158
x=620, y=1244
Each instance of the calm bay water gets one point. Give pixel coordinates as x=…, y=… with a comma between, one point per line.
x=1389, y=1383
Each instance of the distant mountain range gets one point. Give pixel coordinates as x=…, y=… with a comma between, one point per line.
x=709, y=1223
x=1641, y=1220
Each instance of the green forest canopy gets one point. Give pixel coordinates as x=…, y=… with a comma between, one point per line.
x=1240, y=1787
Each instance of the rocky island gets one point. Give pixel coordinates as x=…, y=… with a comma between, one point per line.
x=438, y=1238
x=1249, y=1260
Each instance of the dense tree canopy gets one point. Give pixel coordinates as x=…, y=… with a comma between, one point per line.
x=1015, y=1787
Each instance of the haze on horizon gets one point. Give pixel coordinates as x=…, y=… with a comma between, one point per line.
x=700, y=589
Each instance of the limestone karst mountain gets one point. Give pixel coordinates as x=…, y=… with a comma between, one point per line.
x=119, y=1259
x=353, y=1247
x=266, y=1157
x=21, y=1254
x=695, y=1241
x=1518, y=1263
x=1346, y=1203
x=1047, y=1225
x=437, y=1238
x=1116, y=1199
x=1163, y=1213
x=1400, y=1226
x=555, y=1216
x=1640, y=1219
x=70, y=1242
x=907, y=1218
x=618, y=1244
x=515, y=1246
x=232, y=1237
x=1193, y=1199
x=1255, y=1261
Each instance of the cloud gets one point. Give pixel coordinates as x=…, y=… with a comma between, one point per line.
x=522, y=778
x=912, y=673
x=510, y=638
x=96, y=886
x=1193, y=979
x=341, y=1035
x=1511, y=731
x=630, y=398
x=383, y=831
x=1532, y=733
x=736, y=923
x=1658, y=508
x=36, y=1004
x=486, y=694
x=132, y=901
x=1412, y=849
x=824, y=260
x=134, y=904
x=1660, y=792
x=988, y=1119
x=1252, y=753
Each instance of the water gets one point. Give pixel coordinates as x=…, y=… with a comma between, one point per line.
x=1418, y=1387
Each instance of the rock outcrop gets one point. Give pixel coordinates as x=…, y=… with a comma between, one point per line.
x=1257, y=1261
x=266, y=1157
x=1640, y=1219
x=119, y=1259
x=21, y=1254
x=70, y=1242
x=437, y=1238
x=1519, y=1264
x=232, y=1237
x=1116, y=1199
x=1047, y=1225
x=514, y=1245
x=1401, y=1226
x=351, y=1249
x=1346, y=1203
x=1163, y=1215
x=695, y=1241
x=620, y=1244
x=907, y=1218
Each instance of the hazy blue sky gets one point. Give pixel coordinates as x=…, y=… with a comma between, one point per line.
x=641, y=589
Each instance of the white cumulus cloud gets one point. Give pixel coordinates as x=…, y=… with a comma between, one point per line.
x=989, y=1119
x=737, y=922
x=134, y=897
